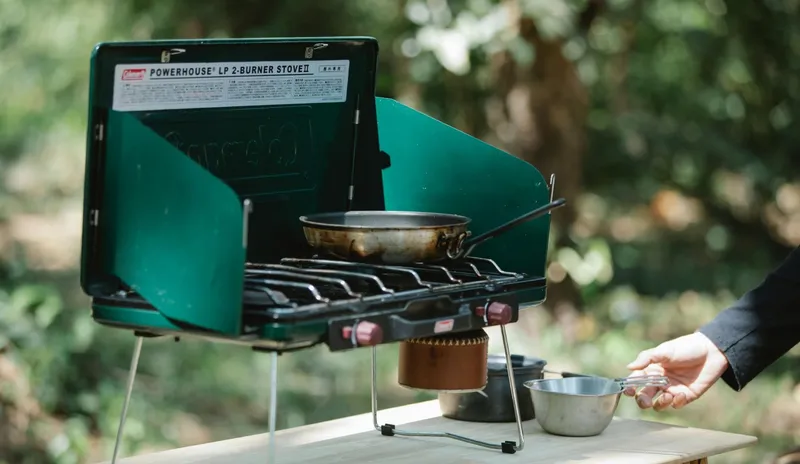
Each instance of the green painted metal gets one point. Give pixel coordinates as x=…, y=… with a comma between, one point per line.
x=170, y=221
x=294, y=332
x=438, y=168
x=163, y=213
x=154, y=322
x=136, y=318
x=169, y=185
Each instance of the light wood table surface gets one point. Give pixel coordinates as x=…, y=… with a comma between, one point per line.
x=353, y=440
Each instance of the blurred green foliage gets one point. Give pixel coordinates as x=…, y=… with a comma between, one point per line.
x=674, y=144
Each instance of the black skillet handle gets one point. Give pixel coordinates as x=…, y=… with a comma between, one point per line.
x=472, y=242
x=565, y=375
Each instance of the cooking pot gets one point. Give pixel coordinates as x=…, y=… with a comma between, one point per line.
x=493, y=403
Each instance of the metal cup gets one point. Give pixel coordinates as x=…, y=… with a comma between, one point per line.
x=582, y=406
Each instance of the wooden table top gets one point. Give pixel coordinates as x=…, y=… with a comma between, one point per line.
x=353, y=440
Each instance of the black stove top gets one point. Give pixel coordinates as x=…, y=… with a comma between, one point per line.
x=384, y=303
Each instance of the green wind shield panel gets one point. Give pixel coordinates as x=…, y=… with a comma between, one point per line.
x=163, y=213
x=437, y=168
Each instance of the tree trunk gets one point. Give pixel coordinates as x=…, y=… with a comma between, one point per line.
x=547, y=104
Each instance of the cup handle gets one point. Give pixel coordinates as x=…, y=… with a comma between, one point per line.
x=643, y=381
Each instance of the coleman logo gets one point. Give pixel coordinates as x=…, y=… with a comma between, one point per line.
x=133, y=74
x=444, y=326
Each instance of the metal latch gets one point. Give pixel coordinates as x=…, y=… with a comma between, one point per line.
x=94, y=217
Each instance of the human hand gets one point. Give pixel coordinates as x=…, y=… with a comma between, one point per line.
x=692, y=364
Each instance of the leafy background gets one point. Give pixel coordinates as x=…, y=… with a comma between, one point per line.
x=669, y=124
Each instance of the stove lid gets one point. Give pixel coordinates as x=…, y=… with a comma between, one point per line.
x=182, y=133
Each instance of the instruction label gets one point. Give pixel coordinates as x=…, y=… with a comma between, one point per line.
x=180, y=86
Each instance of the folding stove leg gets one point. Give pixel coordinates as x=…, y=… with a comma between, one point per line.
x=137, y=349
x=273, y=405
x=508, y=447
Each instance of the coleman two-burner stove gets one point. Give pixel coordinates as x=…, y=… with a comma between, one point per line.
x=202, y=157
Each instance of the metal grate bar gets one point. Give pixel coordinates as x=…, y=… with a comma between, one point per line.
x=347, y=264
x=332, y=272
x=495, y=266
x=312, y=290
x=448, y=276
x=306, y=277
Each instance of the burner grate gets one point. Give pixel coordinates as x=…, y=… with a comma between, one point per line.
x=302, y=288
x=319, y=290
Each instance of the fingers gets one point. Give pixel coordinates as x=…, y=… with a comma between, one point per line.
x=675, y=396
x=648, y=396
x=663, y=402
x=680, y=401
x=631, y=390
x=641, y=361
x=645, y=396
x=656, y=355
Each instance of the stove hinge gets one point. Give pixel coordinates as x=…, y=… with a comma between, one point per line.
x=96, y=173
x=99, y=136
x=356, y=122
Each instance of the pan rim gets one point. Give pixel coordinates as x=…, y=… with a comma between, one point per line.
x=313, y=220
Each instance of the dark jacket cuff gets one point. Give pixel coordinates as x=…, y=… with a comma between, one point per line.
x=732, y=376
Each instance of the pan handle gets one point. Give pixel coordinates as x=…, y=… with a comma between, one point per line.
x=470, y=243
x=564, y=374
x=453, y=243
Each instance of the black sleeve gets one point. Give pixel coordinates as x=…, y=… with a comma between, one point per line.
x=761, y=326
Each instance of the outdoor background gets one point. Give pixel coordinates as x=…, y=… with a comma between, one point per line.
x=671, y=126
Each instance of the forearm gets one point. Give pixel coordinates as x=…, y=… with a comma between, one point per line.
x=761, y=326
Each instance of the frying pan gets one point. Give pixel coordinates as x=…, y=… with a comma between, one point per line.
x=401, y=237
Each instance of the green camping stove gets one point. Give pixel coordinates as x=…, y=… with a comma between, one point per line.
x=201, y=157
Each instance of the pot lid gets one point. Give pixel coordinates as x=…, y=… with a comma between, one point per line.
x=497, y=363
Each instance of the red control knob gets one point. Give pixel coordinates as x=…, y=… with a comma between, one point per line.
x=367, y=333
x=499, y=313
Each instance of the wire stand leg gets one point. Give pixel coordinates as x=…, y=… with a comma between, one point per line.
x=137, y=350
x=513, y=385
x=273, y=406
x=389, y=430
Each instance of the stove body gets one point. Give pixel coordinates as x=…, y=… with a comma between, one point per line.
x=177, y=148
x=202, y=155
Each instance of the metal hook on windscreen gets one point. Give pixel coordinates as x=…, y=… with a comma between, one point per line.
x=310, y=50
x=166, y=55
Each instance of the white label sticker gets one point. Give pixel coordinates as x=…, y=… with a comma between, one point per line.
x=443, y=326
x=180, y=86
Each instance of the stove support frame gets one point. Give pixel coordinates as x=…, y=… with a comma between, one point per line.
x=507, y=447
